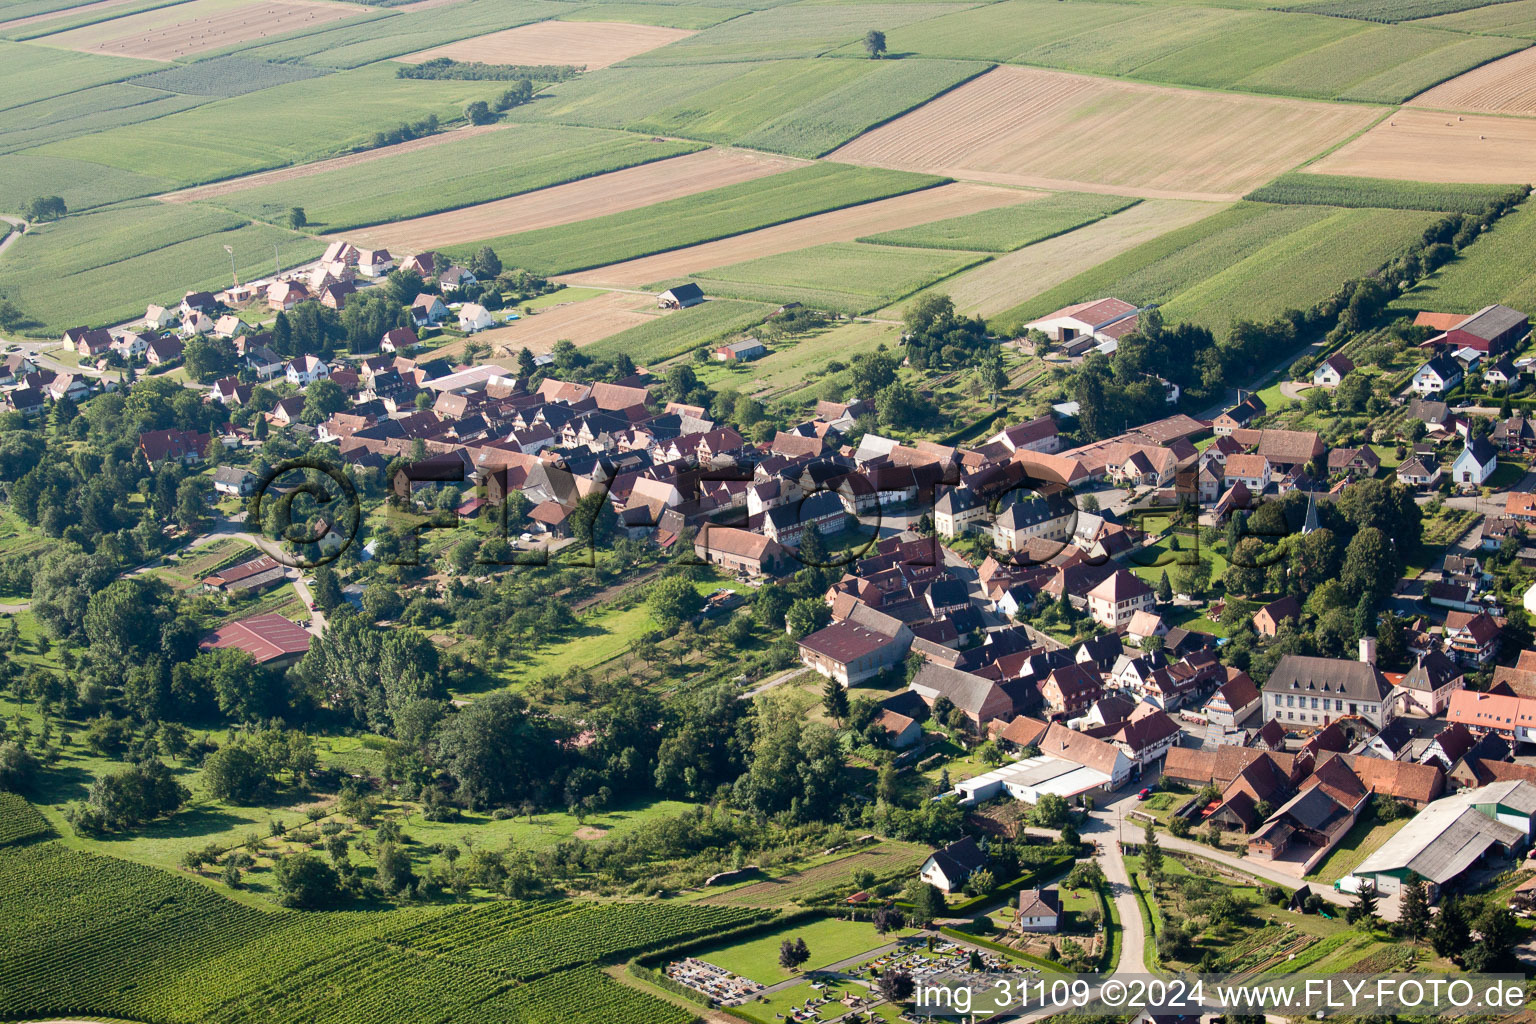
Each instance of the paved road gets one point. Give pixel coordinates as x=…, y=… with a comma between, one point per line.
x=10, y=239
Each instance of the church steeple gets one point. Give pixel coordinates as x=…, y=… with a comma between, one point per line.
x=1310, y=523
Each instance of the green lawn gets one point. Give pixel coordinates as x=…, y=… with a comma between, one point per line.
x=1360, y=842
x=830, y=942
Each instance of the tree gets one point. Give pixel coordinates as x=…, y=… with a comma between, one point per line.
x=1413, y=916
x=369, y=673
x=834, y=699
x=673, y=600
x=1151, y=852
x=874, y=43
x=887, y=919
x=297, y=218
x=1164, y=589
x=499, y=749
x=806, y=616
x=393, y=874
x=1363, y=911
x=1370, y=565
x=1050, y=811
x=136, y=795
x=896, y=986
x=486, y=265
x=307, y=881
x=927, y=904
x=1450, y=933
x=44, y=208
x=1497, y=933
x=479, y=112
x=793, y=953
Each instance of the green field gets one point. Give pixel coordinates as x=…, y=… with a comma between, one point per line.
x=662, y=15
x=88, y=935
x=1001, y=31
x=830, y=941
x=1496, y=269
x=478, y=169
x=1384, y=193
x=1252, y=260
x=680, y=331
x=384, y=34
x=793, y=365
x=1516, y=18
x=341, y=112
x=226, y=76
x=80, y=184
x=30, y=73
x=842, y=277
x=1389, y=10
x=745, y=206
x=800, y=107
x=105, y=267
x=1300, y=269
x=96, y=109
x=790, y=30
x=1011, y=227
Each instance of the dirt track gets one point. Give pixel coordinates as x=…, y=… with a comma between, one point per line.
x=588, y=44
x=838, y=226
x=628, y=189
x=1025, y=126
x=224, y=188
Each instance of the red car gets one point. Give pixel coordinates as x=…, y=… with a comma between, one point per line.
x=1143, y=794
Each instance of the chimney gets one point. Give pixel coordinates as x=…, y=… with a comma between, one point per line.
x=1368, y=650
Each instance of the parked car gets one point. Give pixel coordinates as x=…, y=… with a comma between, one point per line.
x=1144, y=794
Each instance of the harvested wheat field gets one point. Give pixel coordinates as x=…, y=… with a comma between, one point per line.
x=845, y=225
x=1050, y=129
x=582, y=322
x=1506, y=86
x=68, y=12
x=229, y=185
x=602, y=194
x=1021, y=275
x=588, y=44
x=170, y=33
x=1427, y=145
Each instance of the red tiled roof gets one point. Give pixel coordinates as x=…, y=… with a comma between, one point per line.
x=263, y=637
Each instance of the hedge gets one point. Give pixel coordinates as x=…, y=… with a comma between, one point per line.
x=667, y=954
x=1029, y=879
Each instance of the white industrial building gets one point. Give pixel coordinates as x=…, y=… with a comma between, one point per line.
x=1032, y=778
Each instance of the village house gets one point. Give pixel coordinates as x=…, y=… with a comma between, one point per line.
x=1120, y=596
x=948, y=869
x=1331, y=371
x=247, y=577
x=1427, y=687
x=162, y=446
x=1472, y=638
x=1039, y=910
x=282, y=296
x=428, y=309
x=1252, y=471
x=739, y=551
x=1239, y=416
x=162, y=351
x=374, y=262
x=1354, y=461
x=234, y=480
x=1266, y=621
x=1436, y=377
x=1419, y=472
x=1234, y=701
x=1303, y=691
x=302, y=371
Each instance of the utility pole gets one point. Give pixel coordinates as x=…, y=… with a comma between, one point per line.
x=277, y=264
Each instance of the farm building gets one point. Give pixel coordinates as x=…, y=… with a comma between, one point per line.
x=1490, y=331
x=741, y=351
x=247, y=577
x=1450, y=836
x=1033, y=777
x=681, y=297
x=851, y=653
x=270, y=639
x=1104, y=320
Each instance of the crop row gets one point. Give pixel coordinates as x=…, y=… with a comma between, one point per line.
x=19, y=820
x=1388, y=10
x=584, y=994
x=1301, y=189
x=591, y=934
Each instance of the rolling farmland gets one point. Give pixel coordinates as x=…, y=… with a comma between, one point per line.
x=629, y=189
x=678, y=223
x=104, y=267
x=1382, y=193
x=844, y=277
x=590, y=45
x=199, y=26
x=1497, y=269
x=1010, y=227
x=1011, y=279
x=475, y=169
x=837, y=226
x=801, y=107
x=672, y=334
x=1515, y=18
x=1470, y=148
x=1017, y=126
x=1506, y=86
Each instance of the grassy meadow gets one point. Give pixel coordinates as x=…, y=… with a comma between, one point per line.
x=680, y=331
x=477, y=169
x=1011, y=227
